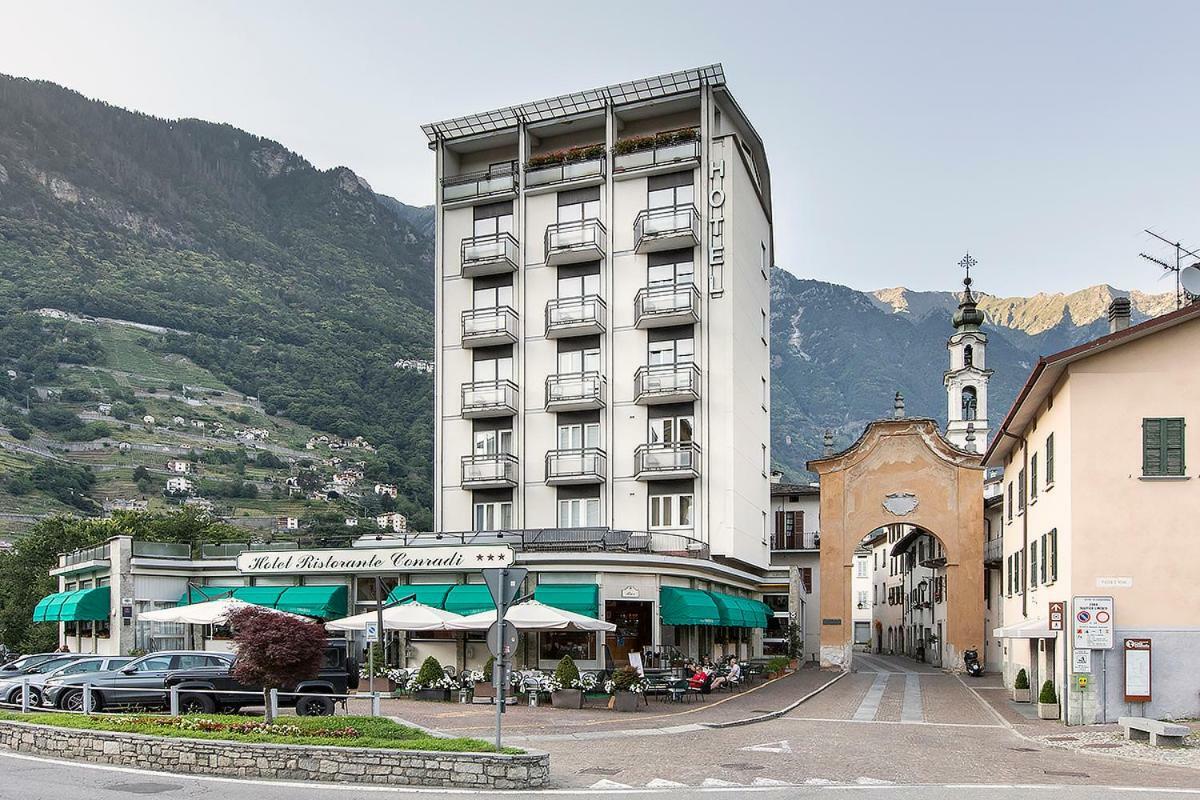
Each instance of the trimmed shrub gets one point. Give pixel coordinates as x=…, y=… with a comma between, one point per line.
x=1022, y=681
x=489, y=669
x=625, y=679
x=1047, y=694
x=430, y=673
x=566, y=673
x=777, y=664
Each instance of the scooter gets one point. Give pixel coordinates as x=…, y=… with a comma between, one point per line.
x=971, y=662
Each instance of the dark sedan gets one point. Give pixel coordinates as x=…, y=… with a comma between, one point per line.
x=139, y=683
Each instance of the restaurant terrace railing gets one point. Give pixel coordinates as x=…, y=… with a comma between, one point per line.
x=162, y=549
x=97, y=553
x=232, y=549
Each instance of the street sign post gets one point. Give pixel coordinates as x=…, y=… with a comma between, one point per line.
x=504, y=584
x=1093, y=623
x=371, y=632
x=1058, y=612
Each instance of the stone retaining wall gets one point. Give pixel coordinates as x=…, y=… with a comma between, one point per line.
x=281, y=761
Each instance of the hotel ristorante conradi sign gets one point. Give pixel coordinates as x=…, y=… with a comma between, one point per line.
x=368, y=560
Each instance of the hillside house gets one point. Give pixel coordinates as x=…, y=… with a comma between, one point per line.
x=178, y=421
x=287, y=523
x=179, y=466
x=147, y=420
x=386, y=489
x=104, y=408
x=179, y=486
x=351, y=522
x=125, y=504
x=394, y=522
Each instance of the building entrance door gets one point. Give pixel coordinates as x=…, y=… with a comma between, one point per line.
x=634, y=628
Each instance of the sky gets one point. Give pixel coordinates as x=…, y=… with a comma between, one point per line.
x=1042, y=137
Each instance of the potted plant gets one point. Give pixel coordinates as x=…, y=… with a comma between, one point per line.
x=431, y=682
x=626, y=687
x=776, y=667
x=795, y=640
x=384, y=682
x=1047, y=702
x=485, y=687
x=565, y=691
x=1021, y=687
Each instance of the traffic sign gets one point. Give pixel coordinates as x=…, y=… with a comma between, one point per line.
x=504, y=584
x=1093, y=623
x=502, y=643
x=371, y=632
x=1057, y=613
x=1081, y=662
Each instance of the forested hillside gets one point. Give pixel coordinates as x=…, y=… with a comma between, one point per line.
x=299, y=286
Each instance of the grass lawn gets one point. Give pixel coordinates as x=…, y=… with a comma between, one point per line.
x=336, y=731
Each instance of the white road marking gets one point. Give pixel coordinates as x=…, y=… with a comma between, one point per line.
x=873, y=782
x=661, y=783
x=770, y=747
x=605, y=783
x=870, y=703
x=770, y=782
x=819, y=782
x=714, y=782
x=912, y=709
x=895, y=722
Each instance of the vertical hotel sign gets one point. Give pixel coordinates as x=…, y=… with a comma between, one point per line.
x=716, y=219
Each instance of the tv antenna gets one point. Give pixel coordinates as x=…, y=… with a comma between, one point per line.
x=1185, y=277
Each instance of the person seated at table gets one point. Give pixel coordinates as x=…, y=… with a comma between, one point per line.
x=735, y=670
x=689, y=668
x=702, y=680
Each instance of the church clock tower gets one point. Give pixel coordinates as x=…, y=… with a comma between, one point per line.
x=966, y=380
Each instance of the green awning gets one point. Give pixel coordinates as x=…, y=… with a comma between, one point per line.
x=469, y=598
x=324, y=602
x=81, y=605
x=740, y=612
x=581, y=598
x=679, y=606
x=430, y=594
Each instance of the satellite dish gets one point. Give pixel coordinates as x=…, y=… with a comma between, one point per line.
x=1189, y=278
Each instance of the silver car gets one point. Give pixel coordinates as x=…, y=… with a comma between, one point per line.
x=36, y=674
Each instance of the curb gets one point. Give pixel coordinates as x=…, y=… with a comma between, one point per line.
x=774, y=714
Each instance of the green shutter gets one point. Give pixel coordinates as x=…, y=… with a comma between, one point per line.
x=1050, y=459
x=1162, y=446
x=1054, y=550
x=1173, y=446
x=1151, y=446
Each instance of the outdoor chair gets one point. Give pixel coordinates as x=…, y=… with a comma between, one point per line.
x=678, y=691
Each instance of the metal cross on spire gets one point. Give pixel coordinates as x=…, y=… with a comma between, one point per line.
x=966, y=263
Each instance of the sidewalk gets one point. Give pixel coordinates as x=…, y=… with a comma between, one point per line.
x=525, y=722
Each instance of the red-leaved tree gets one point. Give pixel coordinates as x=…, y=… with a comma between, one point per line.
x=275, y=651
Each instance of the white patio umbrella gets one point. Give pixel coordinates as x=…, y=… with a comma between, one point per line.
x=406, y=617
x=210, y=612
x=535, y=616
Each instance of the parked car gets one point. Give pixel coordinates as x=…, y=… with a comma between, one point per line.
x=202, y=691
x=19, y=665
x=67, y=664
x=139, y=683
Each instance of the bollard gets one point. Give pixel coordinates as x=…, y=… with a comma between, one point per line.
x=376, y=706
x=25, y=695
x=274, y=703
x=174, y=691
x=87, y=698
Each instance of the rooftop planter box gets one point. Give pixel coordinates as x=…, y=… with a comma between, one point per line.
x=572, y=164
x=666, y=147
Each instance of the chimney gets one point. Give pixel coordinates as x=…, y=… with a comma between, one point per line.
x=1118, y=314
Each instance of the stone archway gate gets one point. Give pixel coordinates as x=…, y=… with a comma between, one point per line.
x=901, y=471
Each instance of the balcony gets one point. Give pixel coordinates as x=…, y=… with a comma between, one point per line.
x=490, y=184
x=782, y=540
x=666, y=229
x=547, y=171
x=576, y=316
x=666, y=383
x=660, y=151
x=492, y=254
x=575, y=241
x=489, y=327
x=576, y=466
x=666, y=461
x=576, y=391
x=489, y=471
x=666, y=306
x=993, y=551
x=489, y=399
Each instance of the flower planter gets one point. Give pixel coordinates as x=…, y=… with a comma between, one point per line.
x=625, y=701
x=1047, y=710
x=439, y=695
x=487, y=689
x=1022, y=695
x=567, y=698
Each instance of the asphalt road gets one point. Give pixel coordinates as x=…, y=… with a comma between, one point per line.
x=29, y=778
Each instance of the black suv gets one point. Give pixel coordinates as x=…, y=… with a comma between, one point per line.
x=141, y=682
x=205, y=690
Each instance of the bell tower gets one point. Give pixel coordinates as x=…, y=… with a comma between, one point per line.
x=966, y=380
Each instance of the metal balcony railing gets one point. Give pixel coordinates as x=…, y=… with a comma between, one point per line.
x=667, y=383
x=666, y=228
x=585, y=315
x=489, y=398
x=993, y=551
x=673, y=459
x=660, y=149
x=489, y=254
x=162, y=549
x=576, y=465
x=580, y=390
x=489, y=469
x=549, y=174
x=669, y=304
x=496, y=180
x=578, y=240
x=808, y=540
x=97, y=553
x=486, y=327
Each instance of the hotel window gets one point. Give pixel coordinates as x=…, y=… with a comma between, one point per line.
x=670, y=511
x=579, y=512
x=578, y=436
x=572, y=361
x=493, y=218
x=492, y=443
x=860, y=566
x=492, y=369
x=579, y=285
x=670, y=430
x=495, y=516
x=493, y=297
x=579, y=204
x=672, y=351
x=1045, y=566
x=672, y=268
x=765, y=394
x=763, y=324
x=1049, y=461
x=764, y=459
x=762, y=260
x=1162, y=447
x=1033, y=489
x=667, y=191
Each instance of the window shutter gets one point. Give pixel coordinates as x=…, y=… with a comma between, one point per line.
x=1173, y=446
x=799, y=521
x=806, y=577
x=1054, y=550
x=1152, y=441
x=779, y=527
x=1050, y=459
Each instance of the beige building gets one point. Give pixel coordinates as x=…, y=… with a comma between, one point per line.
x=1099, y=501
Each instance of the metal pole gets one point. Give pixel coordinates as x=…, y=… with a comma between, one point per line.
x=274, y=703
x=87, y=698
x=501, y=678
x=174, y=692
x=25, y=695
x=375, y=706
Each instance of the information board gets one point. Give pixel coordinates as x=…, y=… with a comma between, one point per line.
x=1137, y=670
x=1081, y=662
x=1092, y=622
